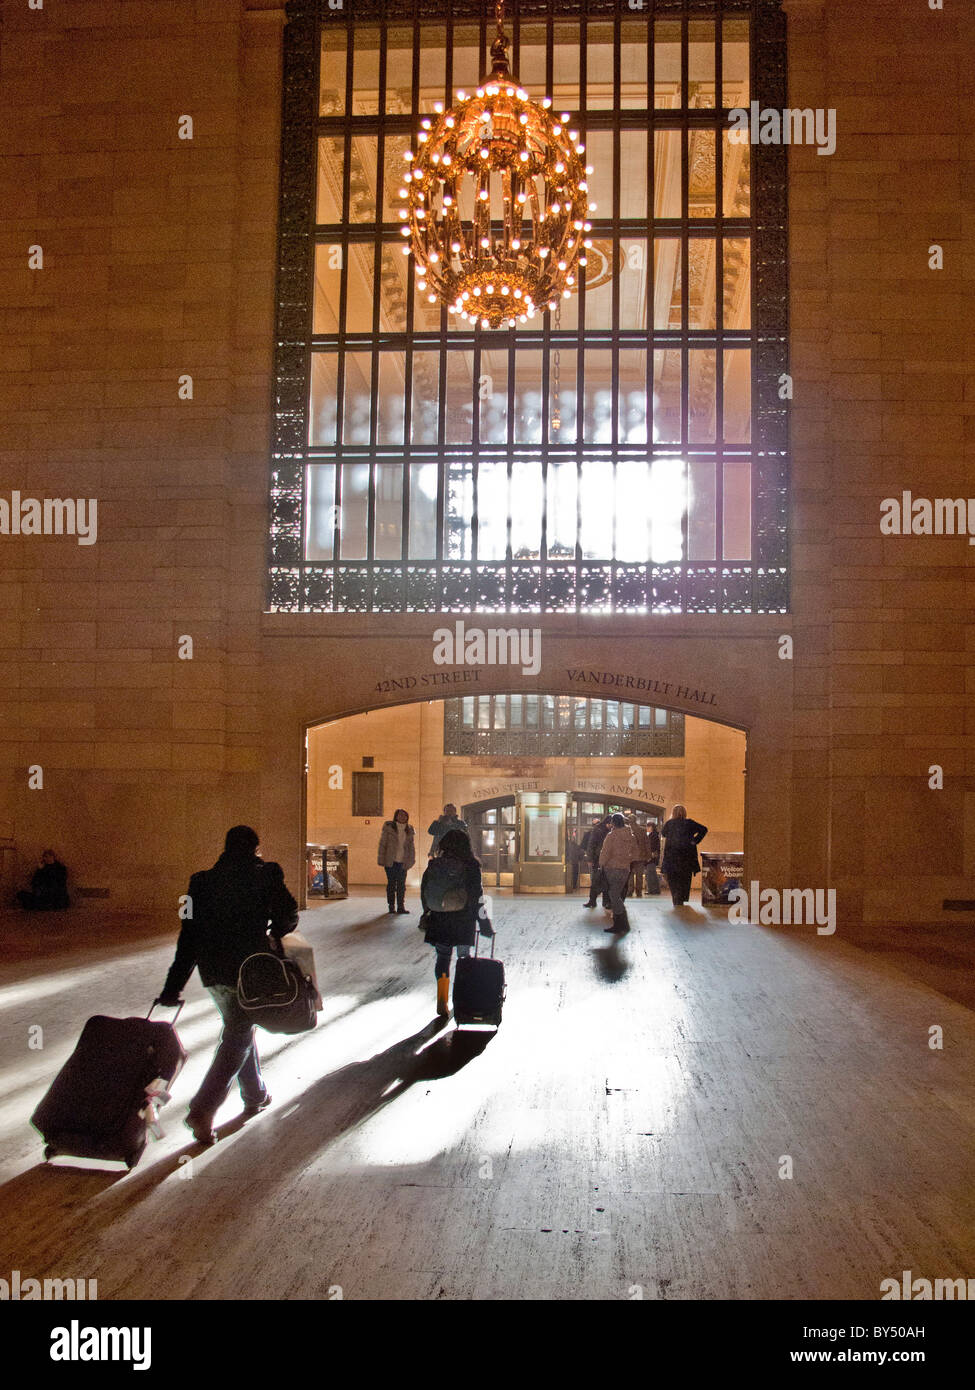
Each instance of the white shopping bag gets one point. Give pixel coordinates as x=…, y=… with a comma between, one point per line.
x=298, y=949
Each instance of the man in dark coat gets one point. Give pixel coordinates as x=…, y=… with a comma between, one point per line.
x=682, y=837
x=595, y=837
x=229, y=911
x=48, y=888
x=438, y=828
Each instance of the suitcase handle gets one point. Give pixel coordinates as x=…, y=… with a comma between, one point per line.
x=477, y=937
x=179, y=1008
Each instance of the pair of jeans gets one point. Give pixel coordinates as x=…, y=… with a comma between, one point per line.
x=616, y=880
x=236, y=1056
x=442, y=963
x=395, y=885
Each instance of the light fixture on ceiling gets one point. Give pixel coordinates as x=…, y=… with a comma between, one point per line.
x=495, y=204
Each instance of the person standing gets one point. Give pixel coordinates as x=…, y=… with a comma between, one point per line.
x=397, y=854
x=453, y=907
x=231, y=908
x=619, y=850
x=653, y=845
x=48, y=890
x=653, y=859
x=439, y=828
x=573, y=855
x=597, y=879
x=635, y=886
x=681, y=862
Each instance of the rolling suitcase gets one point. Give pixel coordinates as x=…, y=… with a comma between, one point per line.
x=479, y=988
x=103, y=1100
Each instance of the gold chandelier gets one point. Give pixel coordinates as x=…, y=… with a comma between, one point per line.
x=495, y=202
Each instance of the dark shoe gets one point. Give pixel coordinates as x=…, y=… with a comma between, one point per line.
x=255, y=1109
x=201, y=1129
x=402, y=910
x=589, y=904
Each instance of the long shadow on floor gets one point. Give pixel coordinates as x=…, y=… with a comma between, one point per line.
x=59, y=1207
x=610, y=962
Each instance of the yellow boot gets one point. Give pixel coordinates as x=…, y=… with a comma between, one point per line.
x=443, y=989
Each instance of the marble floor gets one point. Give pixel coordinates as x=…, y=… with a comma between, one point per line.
x=628, y=1131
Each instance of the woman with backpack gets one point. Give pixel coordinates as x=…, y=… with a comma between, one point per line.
x=397, y=854
x=453, y=907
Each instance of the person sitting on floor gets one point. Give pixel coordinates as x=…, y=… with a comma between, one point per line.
x=48, y=890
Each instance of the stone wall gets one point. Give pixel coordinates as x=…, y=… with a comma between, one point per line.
x=159, y=261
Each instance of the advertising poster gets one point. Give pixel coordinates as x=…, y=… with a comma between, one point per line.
x=720, y=875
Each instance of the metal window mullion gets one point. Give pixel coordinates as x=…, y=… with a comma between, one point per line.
x=685, y=292
x=719, y=280
x=651, y=267
x=546, y=440
x=475, y=452
x=441, y=447
x=509, y=448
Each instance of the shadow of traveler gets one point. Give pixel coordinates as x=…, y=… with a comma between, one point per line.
x=48, y=890
x=453, y=907
x=232, y=905
x=680, y=863
x=397, y=854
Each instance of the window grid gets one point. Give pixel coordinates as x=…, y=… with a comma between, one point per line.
x=308, y=572
x=559, y=726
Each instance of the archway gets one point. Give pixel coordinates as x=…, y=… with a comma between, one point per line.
x=480, y=752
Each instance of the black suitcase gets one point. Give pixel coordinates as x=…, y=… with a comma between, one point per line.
x=98, y=1105
x=479, y=988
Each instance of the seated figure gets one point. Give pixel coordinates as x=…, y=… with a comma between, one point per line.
x=48, y=888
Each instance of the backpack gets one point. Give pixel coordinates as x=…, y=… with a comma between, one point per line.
x=444, y=886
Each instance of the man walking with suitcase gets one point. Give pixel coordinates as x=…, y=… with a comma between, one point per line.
x=230, y=907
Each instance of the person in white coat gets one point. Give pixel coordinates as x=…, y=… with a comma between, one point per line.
x=397, y=854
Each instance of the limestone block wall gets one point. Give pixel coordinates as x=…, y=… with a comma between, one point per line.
x=884, y=370
x=158, y=258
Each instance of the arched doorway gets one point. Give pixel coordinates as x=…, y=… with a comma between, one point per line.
x=364, y=766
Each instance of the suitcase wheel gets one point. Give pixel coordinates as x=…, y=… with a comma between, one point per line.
x=49, y=1151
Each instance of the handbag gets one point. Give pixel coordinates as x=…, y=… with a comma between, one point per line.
x=276, y=994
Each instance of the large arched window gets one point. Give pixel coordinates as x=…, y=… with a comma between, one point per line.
x=626, y=455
